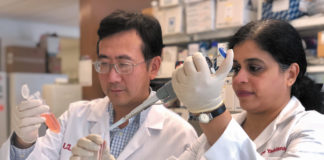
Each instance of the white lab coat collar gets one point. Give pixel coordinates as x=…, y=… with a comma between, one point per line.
x=152, y=122
x=98, y=108
x=98, y=116
x=149, y=118
x=291, y=109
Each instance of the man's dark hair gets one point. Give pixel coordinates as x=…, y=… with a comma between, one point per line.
x=147, y=27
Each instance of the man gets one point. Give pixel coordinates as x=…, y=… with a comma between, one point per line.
x=129, y=56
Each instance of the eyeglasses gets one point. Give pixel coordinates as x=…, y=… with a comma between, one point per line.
x=121, y=68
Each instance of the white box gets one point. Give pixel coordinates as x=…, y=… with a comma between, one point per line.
x=200, y=16
x=3, y=108
x=85, y=72
x=59, y=96
x=234, y=13
x=172, y=20
x=168, y=3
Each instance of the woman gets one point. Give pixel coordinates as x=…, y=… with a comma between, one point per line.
x=269, y=79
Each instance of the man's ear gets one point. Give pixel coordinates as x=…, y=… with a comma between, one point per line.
x=154, y=67
x=293, y=72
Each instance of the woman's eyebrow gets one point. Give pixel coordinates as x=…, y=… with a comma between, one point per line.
x=253, y=60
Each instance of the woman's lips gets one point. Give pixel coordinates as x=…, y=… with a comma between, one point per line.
x=244, y=93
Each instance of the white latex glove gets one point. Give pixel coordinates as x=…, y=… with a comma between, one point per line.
x=88, y=148
x=28, y=119
x=196, y=87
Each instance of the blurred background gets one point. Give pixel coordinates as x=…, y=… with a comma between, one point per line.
x=46, y=43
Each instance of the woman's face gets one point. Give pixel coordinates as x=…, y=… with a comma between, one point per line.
x=258, y=81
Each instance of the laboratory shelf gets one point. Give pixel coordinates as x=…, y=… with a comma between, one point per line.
x=218, y=34
x=306, y=26
x=176, y=39
x=315, y=69
x=309, y=25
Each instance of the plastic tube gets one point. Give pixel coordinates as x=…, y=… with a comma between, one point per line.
x=101, y=150
x=50, y=120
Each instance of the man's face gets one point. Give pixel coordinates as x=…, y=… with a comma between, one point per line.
x=125, y=90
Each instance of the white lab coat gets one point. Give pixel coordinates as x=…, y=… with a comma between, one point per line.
x=162, y=134
x=294, y=134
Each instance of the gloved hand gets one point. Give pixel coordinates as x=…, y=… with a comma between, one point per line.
x=28, y=119
x=196, y=87
x=88, y=148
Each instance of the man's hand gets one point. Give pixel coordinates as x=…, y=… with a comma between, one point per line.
x=88, y=148
x=28, y=119
x=196, y=87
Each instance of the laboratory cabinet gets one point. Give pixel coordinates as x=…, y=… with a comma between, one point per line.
x=4, y=110
x=308, y=26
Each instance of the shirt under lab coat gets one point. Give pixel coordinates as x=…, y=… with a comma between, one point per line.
x=161, y=135
x=294, y=134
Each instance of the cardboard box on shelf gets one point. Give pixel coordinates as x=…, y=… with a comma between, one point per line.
x=59, y=96
x=200, y=16
x=320, y=44
x=172, y=20
x=234, y=13
x=25, y=59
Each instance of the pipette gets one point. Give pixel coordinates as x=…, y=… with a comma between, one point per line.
x=50, y=119
x=165, y=93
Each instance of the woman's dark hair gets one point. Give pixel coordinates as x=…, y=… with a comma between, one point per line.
x=284, y=44
x=147, y=27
